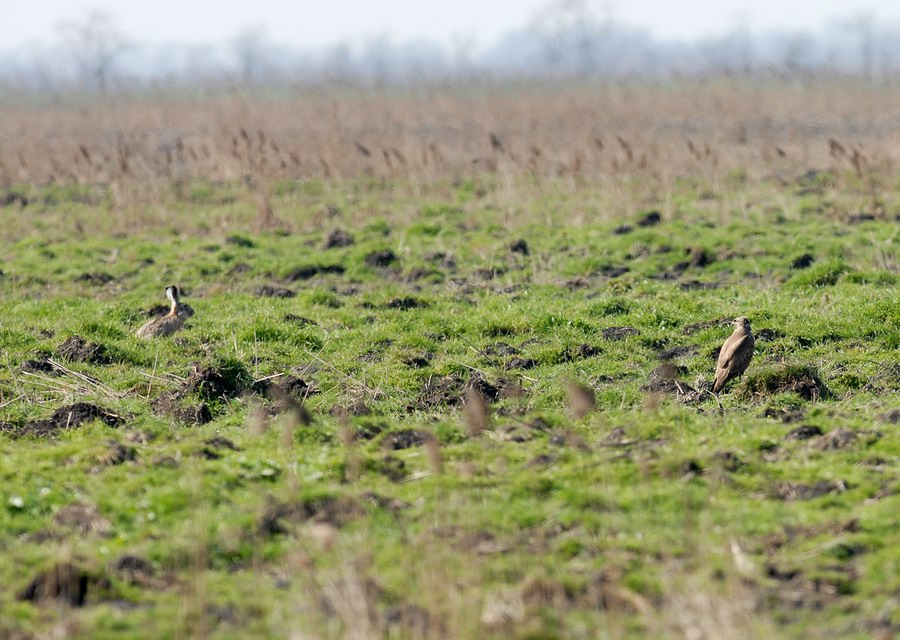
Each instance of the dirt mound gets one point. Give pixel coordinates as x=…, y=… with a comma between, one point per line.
x=618, y=333
x=664, y=379
x=65, y=582
x=581, y=352
x=337, y=239
x=840, y=438
x=381, y=259
x=77, y=349
x=405, y=439
x=135, y=571
x=406, y=303
x=216, y=382
x=300, y=321
x=334, y=510
x=40, y=365
x=803, y=261
x=215, y=446
x=83, y=519
x=240, y=241
x=521, y=363
x=170, y=404
x=800, y=379
x=804, y=432
x=649, y=219
x=697, y=285
x=309, y=271
x=70, y=417
x=519, y=246
x=785, y=414
x=95, y=278
x=789, y=491
x=290, y=384
x=706, y=324
x=448, y=391
x=268, y=291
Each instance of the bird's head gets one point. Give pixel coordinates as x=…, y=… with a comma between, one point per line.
x=742, y=323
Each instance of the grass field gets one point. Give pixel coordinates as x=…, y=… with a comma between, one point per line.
x=467, y=402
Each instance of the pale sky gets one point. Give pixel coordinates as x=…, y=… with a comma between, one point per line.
x=312, y=23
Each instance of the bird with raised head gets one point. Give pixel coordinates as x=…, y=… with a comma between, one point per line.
x=169, y=323
x=735, y=354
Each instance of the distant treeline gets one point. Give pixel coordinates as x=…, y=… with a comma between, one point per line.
x=561, y=42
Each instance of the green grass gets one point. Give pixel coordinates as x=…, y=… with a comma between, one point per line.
x=649, y=516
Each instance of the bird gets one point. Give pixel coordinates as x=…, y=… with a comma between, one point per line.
x=169, y=323
x=735, y=354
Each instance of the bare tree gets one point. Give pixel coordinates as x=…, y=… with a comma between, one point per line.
x=95, y=43
x=250, y=48
x=572, y=33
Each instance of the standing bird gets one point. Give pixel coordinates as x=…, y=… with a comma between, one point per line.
x=169, y=323
x=735, y=354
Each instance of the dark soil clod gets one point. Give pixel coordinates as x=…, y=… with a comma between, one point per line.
x=613, y=271
x=418, y=361
x=220, y=442
x=519, y=246
x=785, y=415
x=380, y=259
x=448, y=391
x=698, y=257
x=300, y=320
x=697, y=285
x=800, y=379
x=767, y=335
x=804, y=432
x=212, y=384
x=84, y=519
x=840, y=438
x=268, y=291
x=95, y=278
x=649, y=219
x=856, y=218
x=134, y=570
x=622, y=230
x=70, y=417
x=521, y=363
x=240, y=241
x=707, y=324
x=169, y=404
x=789, y=491
x=337, y=239
x=309, y=271
x=39, y=366
x=405, y=303
x=77, y=349
x=802, y=261
x=334, y=510
x=664, y=379
x=405, y=439
x=618, y=333
x=65, y=582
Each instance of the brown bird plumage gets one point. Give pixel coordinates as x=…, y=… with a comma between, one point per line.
x=169, y=323
x=735, y=355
